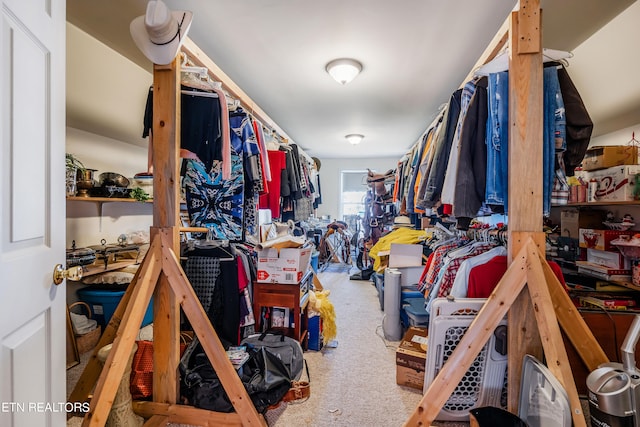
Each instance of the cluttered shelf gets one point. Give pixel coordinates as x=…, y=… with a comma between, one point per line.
x=601, y=203
x=106, y=199
x=100, y=267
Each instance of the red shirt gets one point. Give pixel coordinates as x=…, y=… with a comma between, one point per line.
x=277, y=163
x=484, y=278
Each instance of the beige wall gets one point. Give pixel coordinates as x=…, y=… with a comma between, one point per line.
x=619, y=137
x=106, y=93
x=85, y=225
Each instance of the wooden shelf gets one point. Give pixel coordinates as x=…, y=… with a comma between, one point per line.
x=106, y=200
x=603, y=203
x=98, y=267
x=628, y=285
x=100, y=201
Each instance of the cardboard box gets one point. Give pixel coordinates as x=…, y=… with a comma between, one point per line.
x=592, y=238
x=611, y=259
x=286, y=267
x=409, y=377
x=405, y=255
x=411, y=358
x=572, y=220
x=616, y=184
x=602, y=157
x=602, y=272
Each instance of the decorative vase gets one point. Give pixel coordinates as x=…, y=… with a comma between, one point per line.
x=71, y=180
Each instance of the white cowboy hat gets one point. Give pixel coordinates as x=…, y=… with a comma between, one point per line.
x=160, y=32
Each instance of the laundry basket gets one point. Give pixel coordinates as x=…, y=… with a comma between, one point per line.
x=88, y=341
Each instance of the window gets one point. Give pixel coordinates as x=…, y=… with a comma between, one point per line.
x=354, y=190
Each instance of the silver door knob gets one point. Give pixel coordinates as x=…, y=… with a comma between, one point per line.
x=59, y=273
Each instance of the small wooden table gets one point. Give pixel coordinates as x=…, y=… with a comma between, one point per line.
x=295, y=297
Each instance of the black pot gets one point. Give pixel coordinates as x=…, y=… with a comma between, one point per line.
x=80, y=256
x=113, y=179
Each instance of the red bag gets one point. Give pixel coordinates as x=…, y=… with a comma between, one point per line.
x=142, y=371
x=141, y=386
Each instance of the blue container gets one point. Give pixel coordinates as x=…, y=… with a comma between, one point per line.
x=103, y=304
x=315, y=333
x=414, y=313
x=314, y=261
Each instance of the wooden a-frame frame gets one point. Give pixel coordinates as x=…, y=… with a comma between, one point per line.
x=551, y=305
x=161, y=275
x=161, y=259
x=535, y=310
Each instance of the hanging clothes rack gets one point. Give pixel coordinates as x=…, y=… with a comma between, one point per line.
x=533, y=331
x=161, y=275
x=501, y=61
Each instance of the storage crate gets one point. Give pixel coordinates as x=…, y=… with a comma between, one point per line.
x=86, y=342
x=103, y=304
x=315, y=333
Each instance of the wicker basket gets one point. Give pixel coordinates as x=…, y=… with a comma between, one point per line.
x=88, y=341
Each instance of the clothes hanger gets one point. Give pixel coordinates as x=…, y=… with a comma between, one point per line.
x=233, y=104
x=501, y=61
x=211, y=243
x=197, y=78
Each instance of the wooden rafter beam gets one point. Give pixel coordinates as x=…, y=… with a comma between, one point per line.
x=199, y=58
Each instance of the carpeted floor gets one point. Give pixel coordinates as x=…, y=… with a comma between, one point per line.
x=353, y=384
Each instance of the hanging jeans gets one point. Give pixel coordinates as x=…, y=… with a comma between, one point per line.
x=498, y=140
x=554, y=130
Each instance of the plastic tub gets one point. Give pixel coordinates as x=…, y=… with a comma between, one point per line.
x=145, y=182
x=414, y=312
x=103, y=304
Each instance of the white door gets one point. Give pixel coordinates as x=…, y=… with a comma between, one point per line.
x=32, y=132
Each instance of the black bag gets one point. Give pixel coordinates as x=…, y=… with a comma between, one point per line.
x=264, y=376
x=285, y=348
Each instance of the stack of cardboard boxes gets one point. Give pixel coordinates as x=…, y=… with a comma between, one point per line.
x=612, y=170
x=604, y=260
x=411, y=358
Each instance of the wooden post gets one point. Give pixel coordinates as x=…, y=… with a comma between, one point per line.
x=166, y=211
x=525, y=176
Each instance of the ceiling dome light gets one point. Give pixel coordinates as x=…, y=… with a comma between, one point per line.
x=344, y=70
x=354, y=138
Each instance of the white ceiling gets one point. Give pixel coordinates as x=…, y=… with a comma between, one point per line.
x=415, y=53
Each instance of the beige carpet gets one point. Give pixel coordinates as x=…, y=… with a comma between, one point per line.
x=353, y=384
